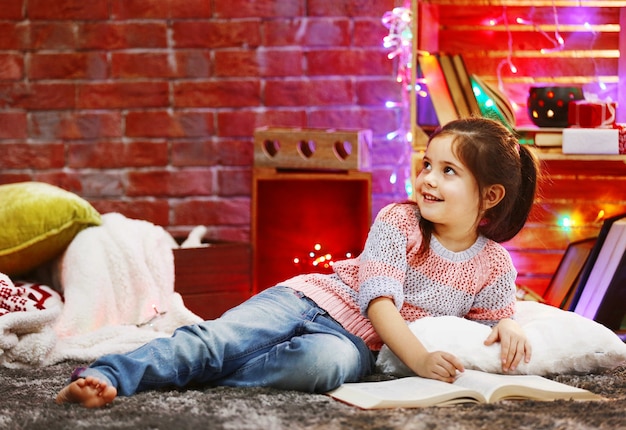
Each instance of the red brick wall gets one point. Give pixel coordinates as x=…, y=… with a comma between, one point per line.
x=147, y=107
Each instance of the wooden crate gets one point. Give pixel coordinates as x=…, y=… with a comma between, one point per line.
x=294, y=211
x=295, y=148
x=214, y=278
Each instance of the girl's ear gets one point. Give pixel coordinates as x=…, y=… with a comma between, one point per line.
x=493, y=195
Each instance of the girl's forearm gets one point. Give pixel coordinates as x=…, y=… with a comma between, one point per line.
x=395, y=333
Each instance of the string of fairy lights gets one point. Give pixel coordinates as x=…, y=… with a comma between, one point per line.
x=318, y=258
x=399, y=42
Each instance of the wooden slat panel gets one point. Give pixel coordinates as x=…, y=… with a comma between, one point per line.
x=482, y=64
x=477, y=15
x=606, y=167
x=544, y=263
x=586, y=189
x=457, y=40
x=548, y=237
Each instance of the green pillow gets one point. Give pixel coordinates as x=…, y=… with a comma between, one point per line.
x=37, y=222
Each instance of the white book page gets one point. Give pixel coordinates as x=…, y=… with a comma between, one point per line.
x=495, y=387
x=403, y=392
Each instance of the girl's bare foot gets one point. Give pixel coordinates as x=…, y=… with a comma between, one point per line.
x=89, y=392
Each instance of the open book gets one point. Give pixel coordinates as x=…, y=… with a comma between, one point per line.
x=471, y=386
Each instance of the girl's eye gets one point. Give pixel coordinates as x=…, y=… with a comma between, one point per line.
x=426, y=165
x=449, y=171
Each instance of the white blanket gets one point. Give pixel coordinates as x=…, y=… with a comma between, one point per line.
x=117, y=284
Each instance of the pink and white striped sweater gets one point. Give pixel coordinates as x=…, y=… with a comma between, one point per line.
x=478, y=283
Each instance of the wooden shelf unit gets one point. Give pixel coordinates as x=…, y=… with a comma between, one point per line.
x=582, y=187
x=556, y=154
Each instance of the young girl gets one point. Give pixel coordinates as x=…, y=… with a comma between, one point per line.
x=314, y=332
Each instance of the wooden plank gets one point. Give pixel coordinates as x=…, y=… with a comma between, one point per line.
x=428, y=34
x=541, y=66
x=457, y=41
x=529, y=3
x=225, y=266
x=493, y=16
x=611, y=161
x=582, y=213
x=296, y=148
x=599, y=166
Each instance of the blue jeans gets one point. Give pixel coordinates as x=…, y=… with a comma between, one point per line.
x=278, y=338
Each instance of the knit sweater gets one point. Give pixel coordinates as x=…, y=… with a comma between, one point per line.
x=478, y=283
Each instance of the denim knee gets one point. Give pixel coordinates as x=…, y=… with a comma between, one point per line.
x=338, y=362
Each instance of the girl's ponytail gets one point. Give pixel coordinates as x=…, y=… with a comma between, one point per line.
x=528, y=187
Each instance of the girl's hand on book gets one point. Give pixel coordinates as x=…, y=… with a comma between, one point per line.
x=395, y=333
x=439, y=365
x=514, y=346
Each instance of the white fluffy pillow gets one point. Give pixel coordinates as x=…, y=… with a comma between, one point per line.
x=562, y=342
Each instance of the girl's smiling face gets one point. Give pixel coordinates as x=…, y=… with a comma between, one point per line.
x=446, y=191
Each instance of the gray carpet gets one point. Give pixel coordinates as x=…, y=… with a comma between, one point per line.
x=27, y=403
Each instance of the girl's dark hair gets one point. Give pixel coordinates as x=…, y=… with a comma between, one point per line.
x=494, y=156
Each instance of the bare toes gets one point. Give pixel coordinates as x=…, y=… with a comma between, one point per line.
x=89, y=392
